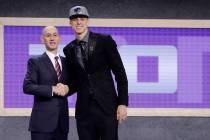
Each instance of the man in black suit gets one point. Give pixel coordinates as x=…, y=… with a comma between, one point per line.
x=47, y=79
x=93, y=58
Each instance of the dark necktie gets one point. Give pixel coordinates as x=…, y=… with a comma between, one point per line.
x=81, y=54
x=57, y=68
x=84, y=52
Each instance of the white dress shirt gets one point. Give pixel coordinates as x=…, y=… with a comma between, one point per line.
x=52, y=58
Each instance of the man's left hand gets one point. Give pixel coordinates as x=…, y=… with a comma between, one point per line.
x=121, y=113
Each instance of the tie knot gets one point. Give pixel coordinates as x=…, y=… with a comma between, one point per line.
x=56, y=58
x=82, y=43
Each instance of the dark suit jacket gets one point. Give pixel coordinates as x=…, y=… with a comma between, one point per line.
x=96, y=77
x=39, y=79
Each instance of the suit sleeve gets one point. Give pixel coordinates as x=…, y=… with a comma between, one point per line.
x=71, y=84
x=30, y=83
x=118, y=70
x=71, y=80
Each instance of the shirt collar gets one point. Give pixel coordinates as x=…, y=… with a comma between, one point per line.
x=85, y=38
x=52, y=55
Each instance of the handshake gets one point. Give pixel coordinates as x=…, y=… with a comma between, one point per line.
x=60, y=89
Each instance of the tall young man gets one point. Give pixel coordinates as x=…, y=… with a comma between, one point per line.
x=93, y=58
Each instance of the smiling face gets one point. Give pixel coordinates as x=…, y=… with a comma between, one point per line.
x=79, y=25
x=50, y=38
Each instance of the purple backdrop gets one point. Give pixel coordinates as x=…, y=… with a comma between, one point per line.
x=192, y=52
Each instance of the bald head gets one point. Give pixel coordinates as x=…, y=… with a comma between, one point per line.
x=50, y=38
x=49, y=28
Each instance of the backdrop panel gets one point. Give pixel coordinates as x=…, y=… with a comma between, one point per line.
x=167, y=68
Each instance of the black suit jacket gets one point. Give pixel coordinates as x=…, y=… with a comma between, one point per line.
x=96, y=77
x=39, y=79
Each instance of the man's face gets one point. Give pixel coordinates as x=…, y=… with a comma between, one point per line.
x=79, y=25
x=50, y=38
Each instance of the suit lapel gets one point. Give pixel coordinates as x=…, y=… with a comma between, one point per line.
x=63, y=67
x=49, y=65
x=91, y=45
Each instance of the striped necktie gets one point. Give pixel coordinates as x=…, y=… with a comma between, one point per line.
x=57, y=68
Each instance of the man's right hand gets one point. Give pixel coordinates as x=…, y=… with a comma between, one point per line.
x=60, y=89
